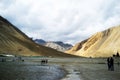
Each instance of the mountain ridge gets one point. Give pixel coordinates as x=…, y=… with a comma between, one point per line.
x=58, y=45
x=102, y=44
x=15, y=42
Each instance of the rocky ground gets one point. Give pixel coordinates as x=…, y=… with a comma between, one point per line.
x=91, y=72
x=30, y=71
x=59, y=69
x=88, y=69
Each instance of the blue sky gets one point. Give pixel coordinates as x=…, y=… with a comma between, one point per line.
x=70, y=21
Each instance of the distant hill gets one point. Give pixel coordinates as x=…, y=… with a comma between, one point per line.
x=58, y=45
x=101, y=44
x=40, y=41
x=13, y=41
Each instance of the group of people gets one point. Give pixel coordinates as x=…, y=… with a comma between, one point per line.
x=110, y=63
x=44, y=61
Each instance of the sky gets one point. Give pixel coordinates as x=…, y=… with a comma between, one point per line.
x=70, y=21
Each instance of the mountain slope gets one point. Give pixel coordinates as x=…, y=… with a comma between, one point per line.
x=40, y=41
x=13, y=41
x=58, y=45
x=101, y=44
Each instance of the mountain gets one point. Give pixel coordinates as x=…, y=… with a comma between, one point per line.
x=40, y=41
x=101, y=44
x=15, y=42
x=58, y=45
x=65, y=45
x=55, y=46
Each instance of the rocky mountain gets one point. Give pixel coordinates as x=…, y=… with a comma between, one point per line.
x=40, y=41
x=58, y=45
x=101, y=44
x=13, y=41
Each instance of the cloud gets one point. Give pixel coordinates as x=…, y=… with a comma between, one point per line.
x=64, y=20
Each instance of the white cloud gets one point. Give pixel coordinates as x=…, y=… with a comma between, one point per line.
x=65, y=20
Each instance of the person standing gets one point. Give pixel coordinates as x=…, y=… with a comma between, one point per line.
x=111, y=64
x=108, y=63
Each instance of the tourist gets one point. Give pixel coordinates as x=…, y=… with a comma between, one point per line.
x=108, y=63
x=111, y=64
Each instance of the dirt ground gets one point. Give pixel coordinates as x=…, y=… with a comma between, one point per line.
x=89, y=69
x=29, y=70
x=91, y=72
x=76, y=69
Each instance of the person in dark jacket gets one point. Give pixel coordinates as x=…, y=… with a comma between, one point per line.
x=111, y=64
x=108, y=63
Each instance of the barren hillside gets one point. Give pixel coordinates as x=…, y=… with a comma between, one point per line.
x=101, y=44
x=13, y=41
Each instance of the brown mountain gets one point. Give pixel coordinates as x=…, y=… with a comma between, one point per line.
x=13, y=41
x=101, y=44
